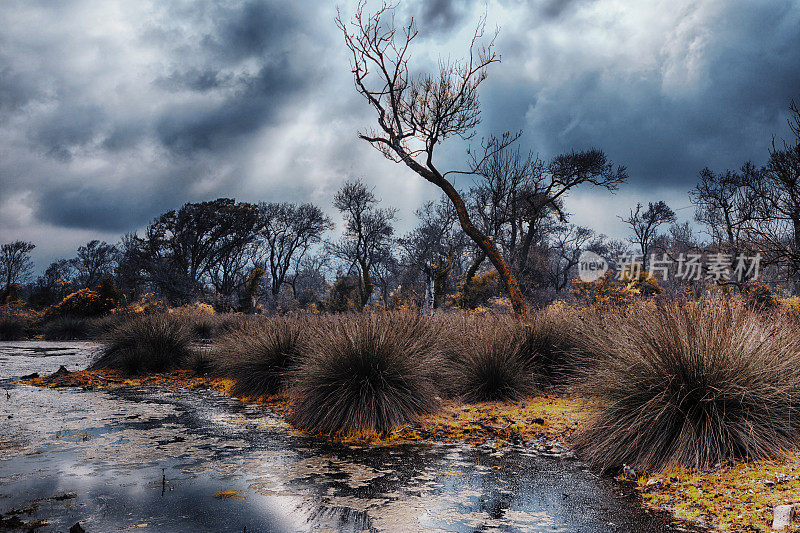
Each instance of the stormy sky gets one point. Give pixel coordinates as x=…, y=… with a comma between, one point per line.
x=113, y=112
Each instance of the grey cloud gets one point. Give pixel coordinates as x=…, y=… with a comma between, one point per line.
x=251, y=30
x=15, y=90
x=254, y=99
x=554, y=9
x=257, y=99
x=437, y=17
x=68, y=128
x=195, y=80
x=665, y=130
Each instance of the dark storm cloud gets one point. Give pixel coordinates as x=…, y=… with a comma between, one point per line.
x=254, y=101
x=713, y=96
x=195, y=80
x=441, y=16
x=553, y=9
x=196, y=84
x=15, y=90
x=114, y=112
x=90, y=208
x=251, y=30
x=264, y=32
x=68, y=128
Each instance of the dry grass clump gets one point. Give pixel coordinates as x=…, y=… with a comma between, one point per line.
x=204, y=327
x=154, y=343
x=260, y=357
x=486, y=360
x=692, y=384
x=102, y=326
x=366, y=373
x=13, y=327
x=67, y=328
x=550, y=342
x=208, y=327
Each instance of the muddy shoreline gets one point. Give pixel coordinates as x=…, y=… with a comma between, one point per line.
x=156, y=459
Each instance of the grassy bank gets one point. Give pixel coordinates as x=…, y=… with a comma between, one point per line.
x=699, y=398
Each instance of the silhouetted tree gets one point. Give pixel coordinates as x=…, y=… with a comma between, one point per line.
x=417, y=113
x=15, y=263
x=368, y=233
x=520, y=199
x=182, y=248
x=308, y=282
x=53, y=285
x=645, y=224
x=95, y=260
x=566, y=247
x=434, y=247
x=287, y=232
x=777, y=192
x=725, y=205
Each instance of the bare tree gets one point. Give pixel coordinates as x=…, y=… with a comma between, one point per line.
x=415, y=114
x=433, y=247
x=181, y=249
x=520, y=199
x=287, y=233
x=15, y=263
x=725, y=205
x=308, y=282
x=95, y=260
x=367, y=235
x=53, y=284
x=777, y=225
x=566, y=247
x=645, y=224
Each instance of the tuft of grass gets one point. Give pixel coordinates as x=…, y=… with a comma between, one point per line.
x=100, y=327
x=260, y=357
x=204, y=327
x=367, y=374
x=487, y=360
x=202, y=363
x=692, y=384
x=210, y=327
x=147, y=344
x=550, y=343
x=13, y=327
x=68, y=328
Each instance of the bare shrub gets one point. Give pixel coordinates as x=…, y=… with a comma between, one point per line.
x=259, y=357
x=68, y=328
x=13, y=327
x=690, y=383
x=154, y=343
x=367, y=373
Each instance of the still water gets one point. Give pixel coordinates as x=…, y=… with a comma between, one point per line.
x=156, y=460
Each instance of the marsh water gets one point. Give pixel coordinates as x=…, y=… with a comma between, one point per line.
x=176, y=460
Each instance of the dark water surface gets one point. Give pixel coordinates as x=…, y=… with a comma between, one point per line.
x=152, y=460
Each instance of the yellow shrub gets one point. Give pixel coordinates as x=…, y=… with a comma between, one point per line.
x=761, y=295
x=147, y=304
x=790, y=306
x=481, y=289
x=83, y=302
x=607, y=292
x=195, y=309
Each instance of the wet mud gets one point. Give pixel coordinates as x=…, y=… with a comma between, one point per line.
x=177, y=460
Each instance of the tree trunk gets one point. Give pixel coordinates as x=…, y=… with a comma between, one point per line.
x=487, y=245
x=428, y=301
x=440, y=273
x=471, y=271
x=367, y=285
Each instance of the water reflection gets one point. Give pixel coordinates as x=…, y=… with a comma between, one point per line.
x=155, y=459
